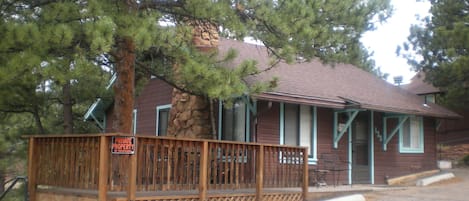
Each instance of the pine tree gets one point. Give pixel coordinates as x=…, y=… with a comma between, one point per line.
x=154, y=36
x=438, y=46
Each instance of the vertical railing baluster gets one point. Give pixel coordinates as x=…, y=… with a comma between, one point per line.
x=103, y=167
x=260, y=173
x=305, y=173
x=132, y=183
x=203, y=171
x=32, y=169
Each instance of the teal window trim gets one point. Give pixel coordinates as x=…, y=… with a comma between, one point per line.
x=248, y=121
x=282, y=123
x=313, y=158
x=104, y=123
x=387, y=138
x=418, y=150
x=220, y=119
x=158, y=109
x=337, y=135
x=134, y=121
x=91, y=113
x=252, y=106
x=111, y=81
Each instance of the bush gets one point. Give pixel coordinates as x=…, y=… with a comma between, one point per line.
x=465, y=160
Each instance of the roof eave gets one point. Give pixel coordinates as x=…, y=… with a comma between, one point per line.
x=298, y=99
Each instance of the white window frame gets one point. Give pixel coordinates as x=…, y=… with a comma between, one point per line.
x=158, y=109
x=420, y=132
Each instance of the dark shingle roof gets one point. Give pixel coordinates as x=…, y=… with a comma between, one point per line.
x=418, y=86
x=338, y=86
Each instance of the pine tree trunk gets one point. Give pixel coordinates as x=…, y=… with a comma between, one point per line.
x=37, y=119
x=190, y=115
x=67, y=108
x=2, y=181
x=124, y=85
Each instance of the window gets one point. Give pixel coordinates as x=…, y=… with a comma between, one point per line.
x=411, y=136
x=430, y=98
x=162, y=119
x=298, y=127
x=233, y=122
x=134, y=121
x=291, y=124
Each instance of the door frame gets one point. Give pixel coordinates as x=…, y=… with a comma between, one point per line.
x=371, y=150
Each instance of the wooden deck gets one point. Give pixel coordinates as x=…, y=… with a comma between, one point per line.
x=163, y=169
x=62, y=194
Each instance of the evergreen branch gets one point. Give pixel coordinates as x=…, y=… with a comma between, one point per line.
x=163, y=78
x=15, y=111
x=158, y=4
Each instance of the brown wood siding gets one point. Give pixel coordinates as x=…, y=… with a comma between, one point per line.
x=454, y=131
x=268, y=122
x=109, y=120
x=388, y=163
x=325, y=144
x=392, y=163
x=155, y=93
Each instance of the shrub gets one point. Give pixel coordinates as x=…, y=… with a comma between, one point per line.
x=465, y=159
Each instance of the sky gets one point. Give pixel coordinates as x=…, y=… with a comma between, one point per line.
x=384, y=40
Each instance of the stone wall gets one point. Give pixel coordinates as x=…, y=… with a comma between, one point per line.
x=190, y=114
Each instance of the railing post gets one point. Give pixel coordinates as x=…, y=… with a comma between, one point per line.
x=305, y=173
x=31, y=170
x=133, y=174
x=203, y=171
x=260, y=174
x=103, y=168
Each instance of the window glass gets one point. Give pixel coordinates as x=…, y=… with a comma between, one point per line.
x=163, y=122
x=299, y=127
x=305, y=127
x=134, y=121
x=412, y=135
x=234, y=122
x=291, y=124
x=162, y=119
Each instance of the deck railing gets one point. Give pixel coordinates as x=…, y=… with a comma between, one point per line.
x=162, y=164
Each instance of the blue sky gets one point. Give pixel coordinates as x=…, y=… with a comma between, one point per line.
x=384, y=41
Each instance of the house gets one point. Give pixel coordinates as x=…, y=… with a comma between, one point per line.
x=381, y=131
x=450, y=131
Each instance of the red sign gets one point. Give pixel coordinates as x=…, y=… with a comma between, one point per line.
x=123, y=145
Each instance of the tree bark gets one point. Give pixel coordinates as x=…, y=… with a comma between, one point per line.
x=2, y=181
x=190, y=114
x=67, y=108
x=124, y=85
x=37, y=119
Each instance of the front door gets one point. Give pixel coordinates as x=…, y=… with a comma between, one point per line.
x=360, y=149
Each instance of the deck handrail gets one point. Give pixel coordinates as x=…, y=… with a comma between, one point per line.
x=162, y=163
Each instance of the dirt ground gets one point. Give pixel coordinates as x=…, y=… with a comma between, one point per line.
x=456, y=189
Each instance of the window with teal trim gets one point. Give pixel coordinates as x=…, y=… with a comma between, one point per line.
x=298, y=126
x=234, y=122
x=411, y=136
x=134, y=121
x=162, y=119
